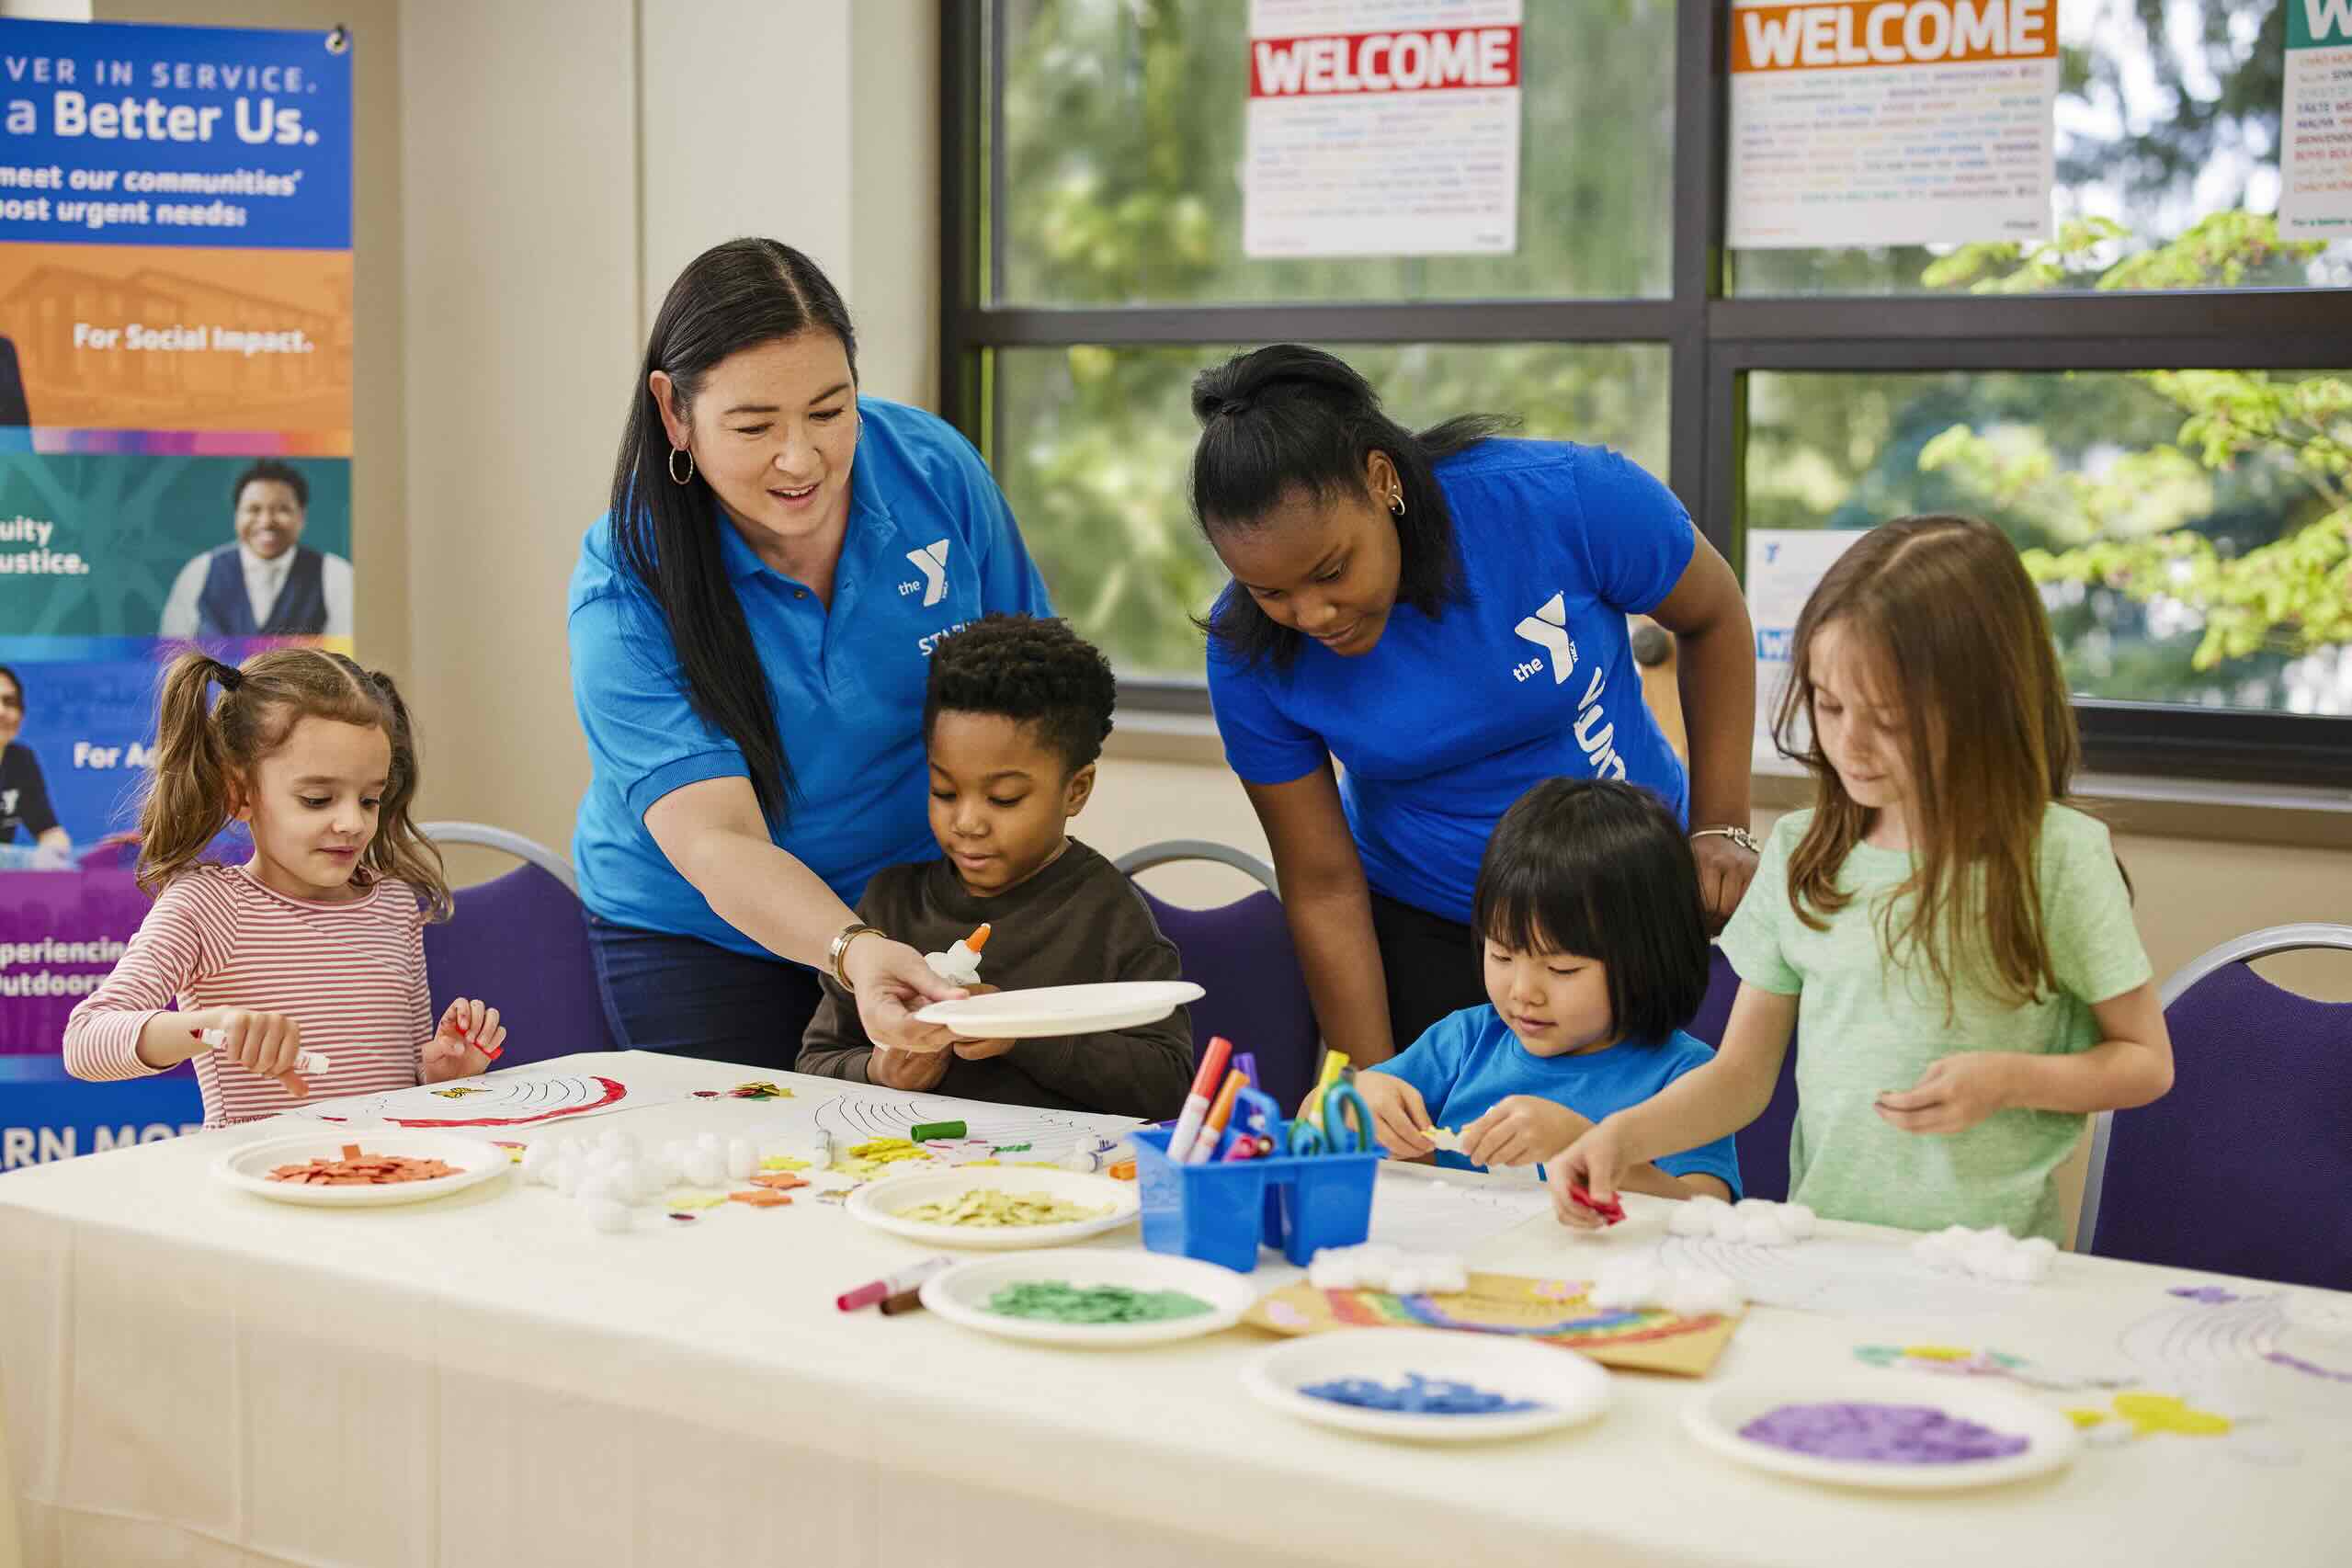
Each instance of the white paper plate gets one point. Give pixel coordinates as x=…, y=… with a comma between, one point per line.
x=877, y=1203
x=1054, y=1010
x=961, y=1295
x=1568, y=1387
x=247, y=1168
x=1716, y=1415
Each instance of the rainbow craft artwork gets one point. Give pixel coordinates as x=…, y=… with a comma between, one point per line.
x=1554, y=1312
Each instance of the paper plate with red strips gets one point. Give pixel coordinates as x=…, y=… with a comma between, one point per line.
x=335, y=1169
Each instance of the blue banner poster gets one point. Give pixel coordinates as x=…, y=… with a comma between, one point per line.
x=175, y=470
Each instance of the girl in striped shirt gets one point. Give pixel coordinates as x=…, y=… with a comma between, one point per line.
x=317, y=942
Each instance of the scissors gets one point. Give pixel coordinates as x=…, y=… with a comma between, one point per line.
x=1340, y=1101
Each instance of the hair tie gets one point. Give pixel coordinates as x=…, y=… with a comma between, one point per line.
x=229, y=676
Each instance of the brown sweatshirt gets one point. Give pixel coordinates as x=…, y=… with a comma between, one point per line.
x=1078, y=922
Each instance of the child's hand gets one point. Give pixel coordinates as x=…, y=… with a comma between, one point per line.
x=1952, y=1095
x=1596, y=1163
x=910, y=1070
x=982, y=1050
x=1399, y=1115
x=467, y=1025
x=265, y=1044
x=1525, y=1130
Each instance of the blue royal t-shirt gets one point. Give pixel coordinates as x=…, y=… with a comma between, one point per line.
x=1470, y=1061
x=1450, y=720
x=930, y=546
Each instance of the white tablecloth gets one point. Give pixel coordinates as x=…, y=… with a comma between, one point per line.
x=195, y=1376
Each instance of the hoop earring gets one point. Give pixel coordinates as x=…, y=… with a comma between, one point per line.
x=674, y=477
x=1396, y=502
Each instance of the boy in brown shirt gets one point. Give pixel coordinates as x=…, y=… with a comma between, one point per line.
x=1013, y=722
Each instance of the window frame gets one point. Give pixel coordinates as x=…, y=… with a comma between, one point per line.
x=1713, y=341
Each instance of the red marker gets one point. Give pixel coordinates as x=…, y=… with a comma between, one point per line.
x=890, y=1285
x=1220, y=1114
x=1195, y=1104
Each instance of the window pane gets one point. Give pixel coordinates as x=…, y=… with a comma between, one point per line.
x=1092, y=445
x=2167, y=123
x=1122, y=122
x=2191, y=526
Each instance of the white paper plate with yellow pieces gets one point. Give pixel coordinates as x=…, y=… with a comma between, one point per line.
x=1052, y=1011
x=995, y=1208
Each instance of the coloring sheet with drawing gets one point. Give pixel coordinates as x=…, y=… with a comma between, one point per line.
x=1010, y=1133
x=1833, y=1275
x=500, y=1100
x=1430, y=1213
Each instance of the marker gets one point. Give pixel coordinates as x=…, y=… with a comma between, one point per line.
x=1245, y=1064
x=1195, y=1104
x=304, y=1061
x=889, y=1285
x=924, y=1132
x=1219, y=1113
x=1334, y=1063
x=904, y=1301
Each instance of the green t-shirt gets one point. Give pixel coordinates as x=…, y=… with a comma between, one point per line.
x=1870, y=1025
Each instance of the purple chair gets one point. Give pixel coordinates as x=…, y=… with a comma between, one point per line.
x=1241, y=954
x=520, y=942
x=2243, y=1168
x=1764, y=1142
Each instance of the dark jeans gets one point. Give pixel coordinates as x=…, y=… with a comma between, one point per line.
x=681, y=997
x=1433, y=965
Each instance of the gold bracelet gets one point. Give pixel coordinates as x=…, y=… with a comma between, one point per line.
x=840, y=949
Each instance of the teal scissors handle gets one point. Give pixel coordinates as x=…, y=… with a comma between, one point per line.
x=1334, y=1136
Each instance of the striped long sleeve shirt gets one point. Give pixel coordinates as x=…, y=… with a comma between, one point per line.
x=351, y=974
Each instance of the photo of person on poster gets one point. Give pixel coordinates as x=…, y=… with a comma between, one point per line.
x=267, y=584
x=24, y=791
x=12, y=408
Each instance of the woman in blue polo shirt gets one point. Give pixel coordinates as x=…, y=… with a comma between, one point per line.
x=751, y=627
x=1442, y=615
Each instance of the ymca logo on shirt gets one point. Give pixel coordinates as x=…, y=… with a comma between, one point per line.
x=8, y=803
x=1548, y=629
x=932, y=561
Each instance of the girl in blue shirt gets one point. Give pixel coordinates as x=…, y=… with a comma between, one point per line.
x=1594, y=953
x=1443, y=616
x=751, y=629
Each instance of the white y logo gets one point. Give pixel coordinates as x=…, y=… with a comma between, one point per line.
x=8, y=803
x=1548, y=629
x=932, y=561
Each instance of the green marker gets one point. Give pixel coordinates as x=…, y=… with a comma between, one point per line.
x=924, y=1132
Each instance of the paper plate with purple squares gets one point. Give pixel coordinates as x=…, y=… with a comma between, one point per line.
x=1049, y=1012
x=1885, y=1433
x=1428, y=1385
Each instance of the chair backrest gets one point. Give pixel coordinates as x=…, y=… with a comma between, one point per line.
x=1242, y=956
x=520, y=942
x=1763, y=1144
x=2242, y=1168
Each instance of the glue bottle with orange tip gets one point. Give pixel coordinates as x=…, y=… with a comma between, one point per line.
x=960, y=965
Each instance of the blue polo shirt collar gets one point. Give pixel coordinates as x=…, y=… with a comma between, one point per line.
x=871, y=521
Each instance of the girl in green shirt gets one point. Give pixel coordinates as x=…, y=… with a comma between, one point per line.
x=1961, y=940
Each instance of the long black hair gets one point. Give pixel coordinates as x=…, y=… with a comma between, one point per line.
x=732, y=297
x=1287, y=417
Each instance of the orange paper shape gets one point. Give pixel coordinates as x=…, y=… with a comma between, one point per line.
x=759, y=1198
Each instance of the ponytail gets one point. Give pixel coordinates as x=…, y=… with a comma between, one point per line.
x=1290, y=417
x=188, y=798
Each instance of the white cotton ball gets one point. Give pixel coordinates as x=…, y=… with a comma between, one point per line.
x=1696, y=1292
x=606, y=1215
x=673, y=1150
x=1628, y=1282
x=538, y=1163
x=565, y=1175
x=1693, y=1218
x=2039, y=1246
x=661, y=1171
x=740, y=1160
x=625, y=1178
x=1766, y=1230
x=702, y=1167
x=1802, y=1220
x=1726, y=1223
x=597, y=1187
x=708, y=1141
x=2019, y=1268
x=1756, y=1206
